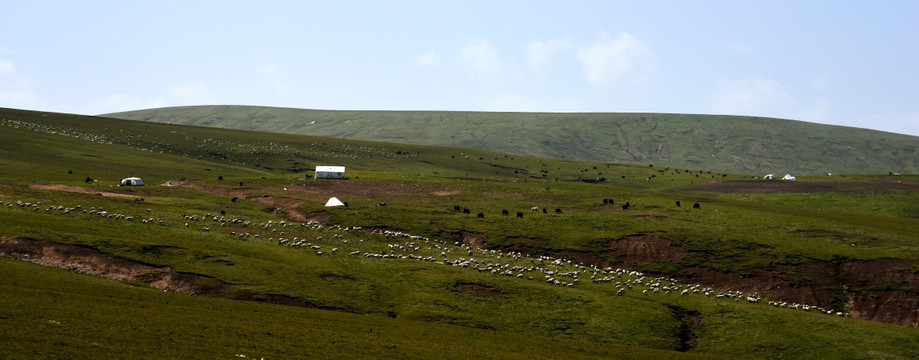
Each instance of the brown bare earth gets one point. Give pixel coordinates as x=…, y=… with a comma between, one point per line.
x=874, y=290
x=89, y=261
x=78, y=189
x=797, y=186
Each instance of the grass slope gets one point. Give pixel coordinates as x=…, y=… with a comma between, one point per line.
x=417, y=309
x=734, y=144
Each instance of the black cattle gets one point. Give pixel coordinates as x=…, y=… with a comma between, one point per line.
x=88, y=180
x=626, y=206
x=504, y=212
x=695, y=206
x=480, y=215
x=544, y=211
x=456, y=208
x=606, y=201
x=234, y=199
x=381, y=204
x=611, y=202
x=465, y=211
x=678, y=203
x=558, y=210
x=519, y=214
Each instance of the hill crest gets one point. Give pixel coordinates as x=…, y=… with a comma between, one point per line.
x=722, y=143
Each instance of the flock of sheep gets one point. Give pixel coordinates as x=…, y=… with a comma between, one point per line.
x=330, y=240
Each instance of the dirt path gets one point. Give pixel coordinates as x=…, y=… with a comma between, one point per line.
x=78, y=189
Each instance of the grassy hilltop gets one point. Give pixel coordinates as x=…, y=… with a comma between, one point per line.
x=735, y=144
x=254, y=265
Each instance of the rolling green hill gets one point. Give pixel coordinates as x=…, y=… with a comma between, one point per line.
x=736, y=144
x=593, y=260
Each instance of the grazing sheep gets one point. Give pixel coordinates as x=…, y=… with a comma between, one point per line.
x=534, y=209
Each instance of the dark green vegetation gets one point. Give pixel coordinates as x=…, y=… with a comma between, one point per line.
x=736, y=144
x=850, y=247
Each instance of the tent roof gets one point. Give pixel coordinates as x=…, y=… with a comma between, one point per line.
x=333, y=201
x=131, y=178
x=330, y=168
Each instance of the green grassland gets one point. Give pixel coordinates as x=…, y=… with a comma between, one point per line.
x=735, y=144
x=423, y=306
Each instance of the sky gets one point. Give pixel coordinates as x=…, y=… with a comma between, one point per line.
x=850, y=63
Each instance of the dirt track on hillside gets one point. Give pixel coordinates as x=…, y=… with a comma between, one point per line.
x=79, y=189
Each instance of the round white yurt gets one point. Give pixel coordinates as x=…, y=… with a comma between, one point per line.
x=132, y=181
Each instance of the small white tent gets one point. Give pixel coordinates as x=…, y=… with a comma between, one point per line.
x=132, y=181
x=789, y=177
x=330, y=172
x=769, y=177
x=333, y=201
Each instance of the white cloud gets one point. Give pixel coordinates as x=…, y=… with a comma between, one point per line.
x=613, y=60
x=482, y=57
x=19, y=99
x=273, y=74
x=540, y=52
x=741, y=48
x=762, y=97
x=430, y=58
x=190, y=93
x=6, y=67
x=14, y=89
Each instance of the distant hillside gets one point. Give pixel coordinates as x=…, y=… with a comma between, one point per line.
x=736, y=144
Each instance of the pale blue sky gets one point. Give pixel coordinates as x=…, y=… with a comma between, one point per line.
x=851, y=63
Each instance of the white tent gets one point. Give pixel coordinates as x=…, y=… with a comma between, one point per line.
x=132, y=181
x=333, y=201
x=769, y=177
x=330, y=172
x=789, y=177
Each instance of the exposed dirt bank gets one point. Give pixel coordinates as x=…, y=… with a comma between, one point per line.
x=89, y=261
x=880, y=290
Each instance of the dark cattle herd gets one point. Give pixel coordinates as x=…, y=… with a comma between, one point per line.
x=505, y=212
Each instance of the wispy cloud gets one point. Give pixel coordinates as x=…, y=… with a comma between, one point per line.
x=614, y=60
x=14, y=89
x=758, y=96
x=539, y=53
x=430, y=58
x=190, y=93
x=6, y=67
x=483, y=57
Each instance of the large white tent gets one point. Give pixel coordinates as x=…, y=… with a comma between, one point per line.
x=330, y=172
x=132, y=181
x=333, y=201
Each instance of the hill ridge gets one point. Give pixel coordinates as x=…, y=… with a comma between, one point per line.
x=722, y=143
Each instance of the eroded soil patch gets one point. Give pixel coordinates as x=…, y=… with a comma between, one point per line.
x=90, y=261
x=478, y=290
